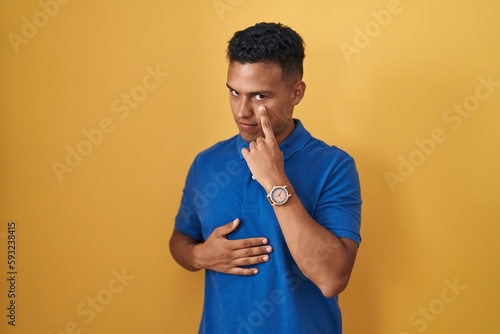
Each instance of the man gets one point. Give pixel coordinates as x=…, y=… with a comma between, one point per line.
x=272, y=214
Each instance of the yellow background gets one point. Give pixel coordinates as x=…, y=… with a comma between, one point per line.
x=114, y=211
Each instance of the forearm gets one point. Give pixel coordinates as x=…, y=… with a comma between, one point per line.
x=321, y=256
x=182, y=248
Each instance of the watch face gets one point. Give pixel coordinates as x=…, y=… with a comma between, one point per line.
x=279, y=195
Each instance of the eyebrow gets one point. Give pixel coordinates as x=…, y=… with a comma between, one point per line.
x=264, y=92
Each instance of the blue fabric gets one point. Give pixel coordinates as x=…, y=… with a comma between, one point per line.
x=279, y=299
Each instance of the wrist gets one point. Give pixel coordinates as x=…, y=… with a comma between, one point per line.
x=279, y=195
x=278, y=181
x=196, y=252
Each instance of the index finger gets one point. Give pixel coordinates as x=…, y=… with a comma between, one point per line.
x=249, y=243
x=265, y=123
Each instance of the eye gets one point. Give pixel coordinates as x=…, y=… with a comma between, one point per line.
x=233, y=92
x=260, y=97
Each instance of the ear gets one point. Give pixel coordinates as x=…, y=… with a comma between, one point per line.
x=298, y=90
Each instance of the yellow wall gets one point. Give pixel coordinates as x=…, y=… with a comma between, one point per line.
x=401, y=85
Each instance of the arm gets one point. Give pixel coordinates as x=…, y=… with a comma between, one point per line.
x=218, y=253
x=321, y=256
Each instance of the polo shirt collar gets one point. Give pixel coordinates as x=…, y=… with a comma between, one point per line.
x=297, y=140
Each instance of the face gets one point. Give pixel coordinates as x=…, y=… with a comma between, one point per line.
x=260, y=84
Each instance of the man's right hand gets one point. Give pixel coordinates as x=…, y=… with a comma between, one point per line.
x=218, y=253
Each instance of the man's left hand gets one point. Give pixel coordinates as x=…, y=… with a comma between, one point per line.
x=264, y=157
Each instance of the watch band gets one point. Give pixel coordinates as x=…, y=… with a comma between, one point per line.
x=290, y=189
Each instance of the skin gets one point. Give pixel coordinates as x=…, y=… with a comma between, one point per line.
x=262, y=103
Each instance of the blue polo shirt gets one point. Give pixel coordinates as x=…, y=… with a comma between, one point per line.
x=279, y=299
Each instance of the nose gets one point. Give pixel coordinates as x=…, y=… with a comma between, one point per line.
x=245, y=108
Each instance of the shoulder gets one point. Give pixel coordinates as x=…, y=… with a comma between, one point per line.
x=220, y=149
x=318, y=149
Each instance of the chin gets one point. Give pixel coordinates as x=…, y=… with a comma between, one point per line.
x=248, y=138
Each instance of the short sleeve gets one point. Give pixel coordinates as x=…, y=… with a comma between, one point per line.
x=339, y=206
x=187, y=220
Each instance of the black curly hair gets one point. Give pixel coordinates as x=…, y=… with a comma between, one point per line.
x=269, y=42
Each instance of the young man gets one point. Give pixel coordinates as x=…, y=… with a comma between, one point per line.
x=272, y=214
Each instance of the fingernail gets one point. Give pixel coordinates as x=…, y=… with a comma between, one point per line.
x=264, y=241
x=269, y=249
x=265, y=257
x=255, y=271
x=262, y=108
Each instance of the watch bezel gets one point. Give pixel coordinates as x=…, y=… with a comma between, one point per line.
x=271, y=197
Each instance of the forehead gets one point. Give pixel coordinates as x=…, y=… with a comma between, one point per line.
x=250, y=77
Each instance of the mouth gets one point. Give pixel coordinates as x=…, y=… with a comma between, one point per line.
x=247, y=126
x=249, y=131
